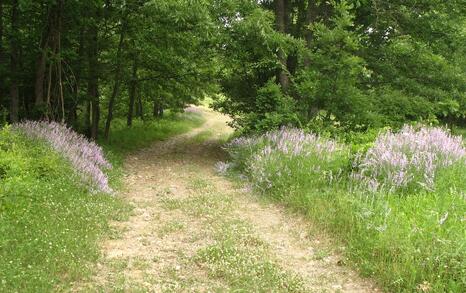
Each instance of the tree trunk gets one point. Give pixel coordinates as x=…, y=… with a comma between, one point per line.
x=59, y=64
x=14, y=61
x=72, y=114
x=87, y=119
x=311, y=14
x=1, y=31
x=281, y=20
x=2, y=55
x=41, y=62
x=139, y=108
x=93, y=80
x=116, y=86
x=158, y=109
x=132, y=91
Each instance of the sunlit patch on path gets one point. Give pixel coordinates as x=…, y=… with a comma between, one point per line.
x=194, y=231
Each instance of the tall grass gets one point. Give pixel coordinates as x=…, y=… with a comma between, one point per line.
x=408, y=241
x=409, y=159
x=50, y=225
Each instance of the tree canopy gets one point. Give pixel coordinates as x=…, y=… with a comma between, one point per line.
x=355, y=64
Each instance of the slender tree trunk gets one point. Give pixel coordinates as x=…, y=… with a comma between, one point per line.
x=139, y=108
x=117, y=82
x=161, y=111
x=132, y=91
x=1, y=31
x=87, y=118
x=311, y=14
x=41, y=61
x=93, y=80
x=59, y=62
x=40, y=76
x=2, y=55
x=14, y=61
x=281, y=20
x=72, y=114
x=155, y=109
x=158, y=109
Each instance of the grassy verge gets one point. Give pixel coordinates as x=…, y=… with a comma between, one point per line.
x=407, y=241
x=50, y=226
x=399, y=241
x=124, y=139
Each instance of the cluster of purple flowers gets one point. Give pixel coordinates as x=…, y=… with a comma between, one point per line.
x=295, y=142
x=222, y=168
x=85, y=156
x=288, y=141
x=276, y=156
x=411, y=156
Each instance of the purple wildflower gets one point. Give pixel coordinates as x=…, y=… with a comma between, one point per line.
x=410, y=156
x=222, y=168
x=276, y=156
x=85, y=156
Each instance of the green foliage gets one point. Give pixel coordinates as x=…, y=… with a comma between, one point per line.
x=336, y=71
x=249, y=67
x=272, y=110
x=366, y=64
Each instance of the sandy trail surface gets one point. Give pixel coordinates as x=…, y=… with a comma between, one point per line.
x=193, y=230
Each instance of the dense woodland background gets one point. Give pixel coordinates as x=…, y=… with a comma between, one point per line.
x=351, y=64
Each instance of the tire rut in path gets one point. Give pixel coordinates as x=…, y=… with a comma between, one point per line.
x=180, y=203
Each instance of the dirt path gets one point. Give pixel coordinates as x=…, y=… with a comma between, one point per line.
x=194, y=231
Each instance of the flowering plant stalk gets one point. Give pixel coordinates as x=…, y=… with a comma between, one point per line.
x=409, y=159
x=85, y=156
x=289, y=157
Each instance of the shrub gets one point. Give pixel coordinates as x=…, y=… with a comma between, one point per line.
x=85, y=156
x=409, y=159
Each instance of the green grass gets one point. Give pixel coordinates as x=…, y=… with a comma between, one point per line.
x=124, y=139
x=247, y=269
x=406, y=242
x=202, y=136
x=398, y=241
x=50, y=226
x=238, y=258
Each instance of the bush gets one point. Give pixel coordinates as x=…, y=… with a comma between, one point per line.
x=85, y=156
x=409, y=159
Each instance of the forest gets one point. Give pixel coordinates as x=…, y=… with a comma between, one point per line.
x=349, y=113
x=357, y=64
